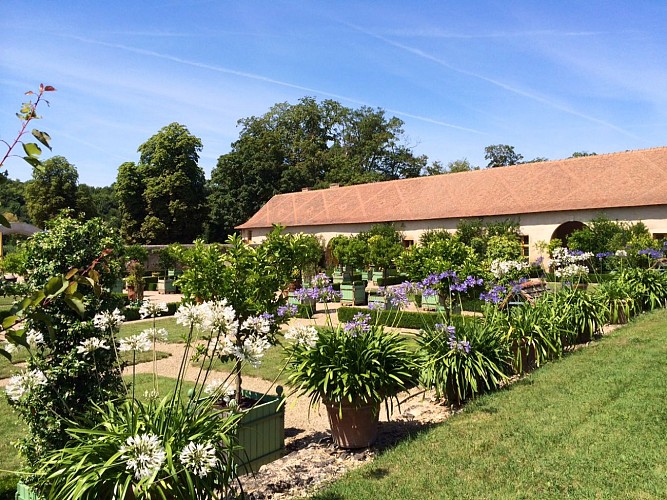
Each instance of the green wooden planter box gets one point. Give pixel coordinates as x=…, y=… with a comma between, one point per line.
x=353, y=294
x=262, y=432
x=381, y=301
x=25, y=492
x=166, y=286
x=433, y=303
x=118, y=286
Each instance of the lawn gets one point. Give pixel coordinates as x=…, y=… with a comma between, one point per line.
x=592, y=425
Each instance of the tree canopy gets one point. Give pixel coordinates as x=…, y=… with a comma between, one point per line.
x=163, y=198
x=308, y=144
x=53, y=188
x=501, y=155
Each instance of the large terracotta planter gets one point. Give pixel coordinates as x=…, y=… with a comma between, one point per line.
x=353, y=426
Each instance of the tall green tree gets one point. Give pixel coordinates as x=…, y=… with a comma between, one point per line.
x=308, y=144
x=501, y=155
x=163, y=198
x=12, y=198
x=53, y=187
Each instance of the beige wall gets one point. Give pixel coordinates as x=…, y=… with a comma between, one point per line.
x=537, y=226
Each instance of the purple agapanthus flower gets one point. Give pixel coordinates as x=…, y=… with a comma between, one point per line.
x=651, y=253
x=288, y=310
x=495, y=295
x=359, y=323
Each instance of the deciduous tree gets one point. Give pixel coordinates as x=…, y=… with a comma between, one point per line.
x=501, y=155
x=53, y=188
x=308, y=144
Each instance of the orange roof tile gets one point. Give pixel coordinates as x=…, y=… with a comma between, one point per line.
x=628, y=179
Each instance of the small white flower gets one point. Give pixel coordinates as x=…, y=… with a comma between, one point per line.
x=219, y=388
x=220, y=317
x=91, y=345
x=34, y=338
x=257, y=324
x=621, y=253
x=253, y=350
x=23, y=383
x=189, y=315
x=144, y=454
x=108, y=320
x=137, y=343
x=222, y=346
x=199, y=458
x=152, y=309
x=302, y=334
x=156, y=334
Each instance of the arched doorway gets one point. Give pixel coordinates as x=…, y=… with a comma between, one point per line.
x=564, y=231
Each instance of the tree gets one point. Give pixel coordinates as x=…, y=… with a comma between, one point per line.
x=581, y=154
x=85, y=204
x=537, y=159
x=308, y=144
x=501, y=155
x=12, y=198
x=53, y=188
x=163, y=198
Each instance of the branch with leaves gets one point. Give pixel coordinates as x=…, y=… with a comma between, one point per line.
x=27, y=113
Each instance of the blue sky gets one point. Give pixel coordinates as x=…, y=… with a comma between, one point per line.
x=549, y=78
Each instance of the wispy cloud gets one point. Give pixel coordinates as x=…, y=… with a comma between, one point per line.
x=439, y=33
x=261, y=78
x=509, y=88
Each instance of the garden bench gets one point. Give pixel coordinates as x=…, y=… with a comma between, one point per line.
x=529, y=291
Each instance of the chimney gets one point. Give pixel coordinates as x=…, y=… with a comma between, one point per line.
x=334, y=185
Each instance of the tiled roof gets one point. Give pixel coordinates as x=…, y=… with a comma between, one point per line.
x=628, y=179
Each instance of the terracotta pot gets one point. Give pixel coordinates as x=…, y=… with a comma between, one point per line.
x=353, y=425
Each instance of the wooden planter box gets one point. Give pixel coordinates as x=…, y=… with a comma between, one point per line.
x=352, y=295
x=166, y=286
x=25, y=492
x=261, y=432
x=433, y=303
x=381, y=300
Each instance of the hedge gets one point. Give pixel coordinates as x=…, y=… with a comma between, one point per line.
x=399, y=319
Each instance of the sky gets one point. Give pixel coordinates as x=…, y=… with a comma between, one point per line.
x=549, y=78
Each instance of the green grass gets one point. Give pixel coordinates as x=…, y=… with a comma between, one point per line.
x=593, y=425
x=270, y=369
x=176, y=332
x=7, y=368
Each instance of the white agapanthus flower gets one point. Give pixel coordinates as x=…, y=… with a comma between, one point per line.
x=91, y=345
x=219, y=388
x=152, y=309
x=221, y=346
x=621, y=253
x=260, y=325
x=108, y=320
x=253, y=350
x=34, y=339
x=137, y=343
x=302, y=334
x=570, y=271
x=144, y=454
x=156, y=334
x=199, y=458
x=500, y=268
x=190, y=315
x=24, y=383
x=220, y=317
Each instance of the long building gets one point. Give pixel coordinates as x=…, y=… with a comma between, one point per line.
x=548, y=200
